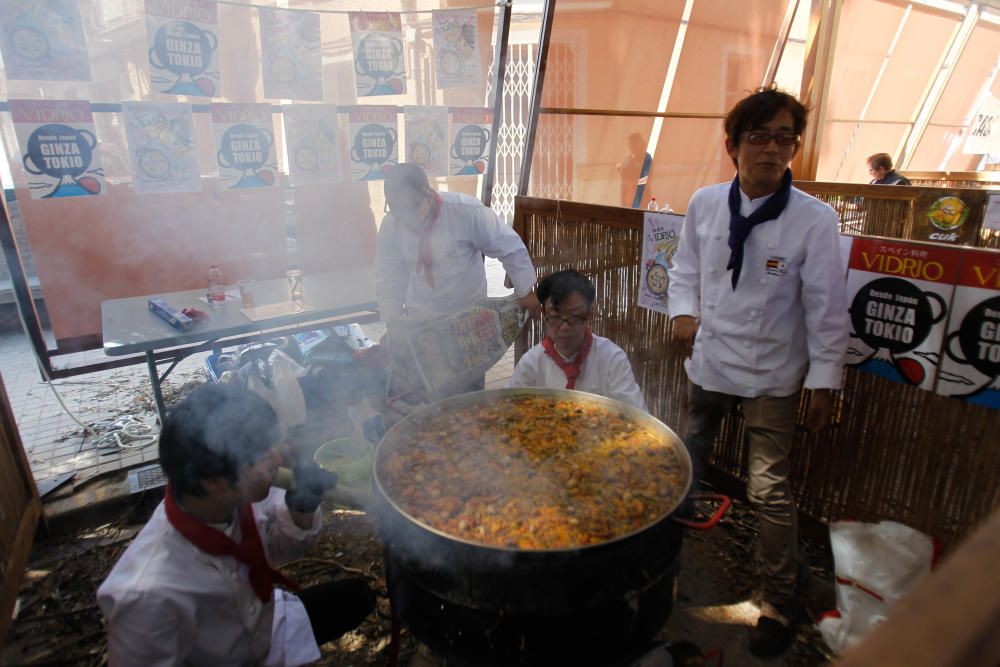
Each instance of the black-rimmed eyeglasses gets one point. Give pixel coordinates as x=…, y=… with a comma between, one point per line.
x=556, y=321
x=761, y=138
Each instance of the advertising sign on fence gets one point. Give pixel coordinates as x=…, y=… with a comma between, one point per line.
x=948, y=216
x=899, y=295
x=660, y=236
x=313, y=142
x=970, y=358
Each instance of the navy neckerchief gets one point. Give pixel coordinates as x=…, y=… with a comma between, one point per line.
x=740, y=227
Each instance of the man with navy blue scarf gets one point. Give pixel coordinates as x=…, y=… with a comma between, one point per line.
x=758, y=298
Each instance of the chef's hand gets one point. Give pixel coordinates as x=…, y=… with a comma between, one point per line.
x=311, y=482
x=820, y=410
x=685, y=328
x=531, y=304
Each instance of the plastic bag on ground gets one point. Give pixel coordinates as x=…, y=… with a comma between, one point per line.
x=278, y=383
x=875, y=564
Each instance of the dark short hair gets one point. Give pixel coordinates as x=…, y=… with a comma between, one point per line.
x=880, y=161
x=761, y=107
x=212, y=432
x=406, y=176
x=559, y=285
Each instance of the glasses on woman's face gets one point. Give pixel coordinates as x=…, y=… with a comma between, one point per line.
x=763, y=138
x=556, y=321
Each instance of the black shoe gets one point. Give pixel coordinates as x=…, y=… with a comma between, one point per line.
x=770, y=637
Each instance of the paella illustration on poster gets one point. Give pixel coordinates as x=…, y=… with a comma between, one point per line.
x=970, y=358
x=377, y=38
x=161, y=147
x=660, y=237
x=59, y=148
x=427, y=138
x=374, y=141
x=244, y=142
x=313, y=142
x=456, y=48
x=183, y=47
x=899, y=295
x=290, y=54
x=946, y=216
x=471, y=131
x=43, y=41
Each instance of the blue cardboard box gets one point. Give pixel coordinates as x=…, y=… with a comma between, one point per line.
x=169, y=314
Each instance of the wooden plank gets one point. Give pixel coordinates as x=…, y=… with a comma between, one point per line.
x=15, y=562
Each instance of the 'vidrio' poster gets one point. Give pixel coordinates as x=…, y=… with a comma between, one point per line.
x=161, y=147
x=970, y=360
x=183, y=47
x=374, y=141
x=290, y=54
x=377, y=38
x=471, y=132
x=660, y=237
x=59, y=148
x=456, y=49
x=244, y=142
x=313, y=142
x=899, y=295
x=43, y=41
x=427, y=138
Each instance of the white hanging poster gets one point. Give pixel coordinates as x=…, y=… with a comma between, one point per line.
x=471, y=129
x=378, y=53
x=291, y=57
x=58, y=148
x=374, y=144
x=900, y=295
x=313, y=141
x=970, y=358
x=661, y=234
x=427, y=138
x=183, y=47
x=244, y=142
x=456, y=48
x=43, y=41
x=161, y=147
x=984, y=130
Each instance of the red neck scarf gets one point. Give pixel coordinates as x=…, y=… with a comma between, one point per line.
x=571, y=369
x=425, y=260
x=250, y=551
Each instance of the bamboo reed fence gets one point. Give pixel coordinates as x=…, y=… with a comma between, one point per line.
x=894, y=452
x=972, y=180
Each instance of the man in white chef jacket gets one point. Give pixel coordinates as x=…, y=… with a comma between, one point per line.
x=429, y=260
x=571, y=356
x=196, y=587
x=757, y=296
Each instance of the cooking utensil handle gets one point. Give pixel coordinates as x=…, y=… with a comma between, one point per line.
x=724, y=503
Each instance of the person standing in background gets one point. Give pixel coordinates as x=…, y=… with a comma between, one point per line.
x=882, y=173
x=757, y=297
x=634, y=172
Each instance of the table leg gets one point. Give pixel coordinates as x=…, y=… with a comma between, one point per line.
x=154, y=379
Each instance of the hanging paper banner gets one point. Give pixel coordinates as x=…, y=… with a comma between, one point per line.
x=244, y=140
x=900, y=295
x=970, y=361
x=984, y=130
x=378, y=53
x=427, y=138
x=183, y=47
x=291, y=55
x=313, y=143
x=471, y=130
x=58, y=148
x=373, y=141
x=43, y=41
x=661, y=234
x=161, y=147
x=456, y=48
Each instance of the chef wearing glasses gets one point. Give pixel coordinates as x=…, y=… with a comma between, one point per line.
x=757, y=298
x=571, y=356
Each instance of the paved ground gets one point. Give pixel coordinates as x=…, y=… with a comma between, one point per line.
x=56, y=444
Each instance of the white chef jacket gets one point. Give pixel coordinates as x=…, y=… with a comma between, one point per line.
x=170, y=604
x=787, y=318
x=462, y=233
x=606, y=371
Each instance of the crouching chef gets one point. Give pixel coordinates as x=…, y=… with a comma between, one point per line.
x=196, y=586
x=570, y=356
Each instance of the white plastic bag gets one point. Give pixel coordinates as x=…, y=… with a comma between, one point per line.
x=876, y=564
x=281, y=389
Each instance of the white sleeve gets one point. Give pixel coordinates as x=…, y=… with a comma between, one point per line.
x=285, y=540
x=524, y=372
x=392, y=276
x=495, y=238
x=146, y=628
x=824, y=299
x=621, y=381
x=684, y=288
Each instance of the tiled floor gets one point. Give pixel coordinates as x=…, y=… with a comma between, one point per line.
x=55, y=443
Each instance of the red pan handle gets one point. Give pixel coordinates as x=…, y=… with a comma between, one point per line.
x=724, y=503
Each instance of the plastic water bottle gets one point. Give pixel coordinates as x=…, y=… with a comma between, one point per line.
x=666, y=208
x=652, y=205
x=216, y=288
